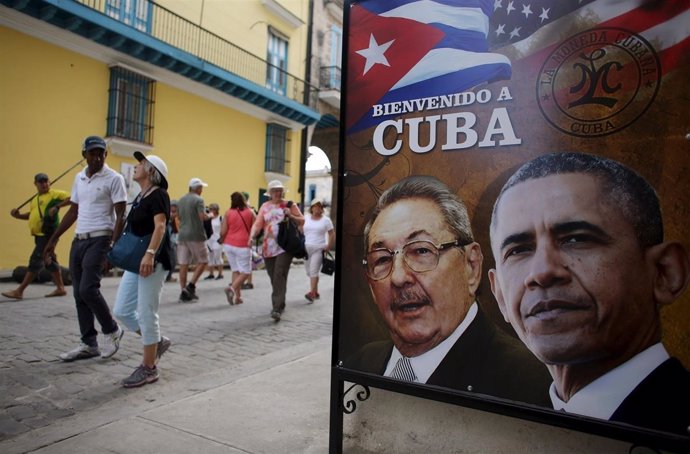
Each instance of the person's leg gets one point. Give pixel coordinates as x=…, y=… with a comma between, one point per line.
x=150, y=289
x=314, y=281
x=59, y=285
x=173, y=246
x=183, y=275
x=35, y=266
x=87, y=328
x=200, y=252
x=125, y=309
x=270, y=263
x=280, y=275
x=183, y=260
x=242, y=267
x=53, y=267
x=90, y=285
x=18, y=293
x=313, y=267
x=198, y=271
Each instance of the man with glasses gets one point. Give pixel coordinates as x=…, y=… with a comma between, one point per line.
x=423, y=268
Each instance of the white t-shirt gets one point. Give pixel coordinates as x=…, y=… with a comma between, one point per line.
x=96, y=197
x=315, y=231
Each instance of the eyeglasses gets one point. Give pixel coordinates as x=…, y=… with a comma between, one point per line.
x=419, y=256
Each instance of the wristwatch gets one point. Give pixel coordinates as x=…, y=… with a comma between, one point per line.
x=151, y=251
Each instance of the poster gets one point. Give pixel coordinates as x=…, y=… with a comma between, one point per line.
x=572, y=299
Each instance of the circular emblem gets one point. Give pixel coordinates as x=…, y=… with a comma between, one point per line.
x=598, y=82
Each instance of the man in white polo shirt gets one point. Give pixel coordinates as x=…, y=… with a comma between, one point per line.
x=98, y=203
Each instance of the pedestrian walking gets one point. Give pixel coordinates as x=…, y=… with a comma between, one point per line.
x=47, y=201
x=98, y=201
x=277, y=260
x=139, y=294
x=249, y=282
x=191, y=241
x=215, y=249
x=174, y=230
x=319, y=238
x=234, y=235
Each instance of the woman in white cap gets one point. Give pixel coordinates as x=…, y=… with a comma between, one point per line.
x=277, y=260
x=319, y=237
x=138, y=295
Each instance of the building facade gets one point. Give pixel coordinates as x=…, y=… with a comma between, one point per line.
x=217, y=89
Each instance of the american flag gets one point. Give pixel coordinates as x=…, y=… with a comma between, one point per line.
x=407, y=49
x=532, y=28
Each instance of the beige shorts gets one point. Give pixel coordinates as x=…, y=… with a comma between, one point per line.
x=189, y=252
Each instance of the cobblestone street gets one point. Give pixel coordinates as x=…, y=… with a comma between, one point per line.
x=210, y=338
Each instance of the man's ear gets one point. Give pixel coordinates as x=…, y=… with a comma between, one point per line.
x=498, y=294
x=672, y=267
x=473, y=252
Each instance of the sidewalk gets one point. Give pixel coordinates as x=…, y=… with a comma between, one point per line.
x=277, y=402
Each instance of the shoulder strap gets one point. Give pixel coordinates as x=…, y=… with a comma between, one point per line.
x=239, y=213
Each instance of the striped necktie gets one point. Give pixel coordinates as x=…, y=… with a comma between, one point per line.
x=403, y=370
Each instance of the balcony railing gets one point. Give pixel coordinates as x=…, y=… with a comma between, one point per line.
x=170, y=28
x=329, y=78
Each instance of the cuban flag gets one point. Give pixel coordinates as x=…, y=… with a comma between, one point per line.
x=408, y=49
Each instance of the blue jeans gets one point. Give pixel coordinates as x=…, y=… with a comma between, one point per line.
x=136, y=304
x=86, y=260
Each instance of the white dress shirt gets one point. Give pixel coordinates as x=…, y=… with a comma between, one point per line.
x=425, y=364
x=603, y=396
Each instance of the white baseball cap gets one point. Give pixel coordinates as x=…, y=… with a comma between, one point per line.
x=195, y=182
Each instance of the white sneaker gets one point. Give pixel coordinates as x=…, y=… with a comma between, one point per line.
x=83, y=351
x=112, y=343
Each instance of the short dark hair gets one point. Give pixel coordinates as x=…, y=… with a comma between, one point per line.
x=622, y=186
x=426, y=187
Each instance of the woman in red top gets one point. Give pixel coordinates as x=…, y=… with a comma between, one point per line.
x=234, y=234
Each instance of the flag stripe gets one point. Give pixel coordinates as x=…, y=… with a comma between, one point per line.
x=462, y=39
x=486, y=5
x=428, y=12
x=439, y=62
x=452, y=83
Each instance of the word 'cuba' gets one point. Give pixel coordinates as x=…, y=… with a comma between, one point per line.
x=460, y=132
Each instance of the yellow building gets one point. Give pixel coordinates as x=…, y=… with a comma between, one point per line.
x=215, y=88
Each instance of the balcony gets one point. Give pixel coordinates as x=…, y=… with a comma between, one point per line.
x=329, y=83
x=158, y=36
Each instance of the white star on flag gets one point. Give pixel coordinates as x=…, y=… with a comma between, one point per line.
x=375, y=53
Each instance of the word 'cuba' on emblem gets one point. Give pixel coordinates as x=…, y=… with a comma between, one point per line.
x=598, y=82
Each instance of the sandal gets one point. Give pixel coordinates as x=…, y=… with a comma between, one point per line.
x=56, y=292
x=229, y=295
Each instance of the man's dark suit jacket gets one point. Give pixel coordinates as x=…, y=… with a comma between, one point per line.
x=483, y=360
x=661, y=401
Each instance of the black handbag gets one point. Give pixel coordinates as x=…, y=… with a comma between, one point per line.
x=328, y=264
x=128, y=251
x=290, y=238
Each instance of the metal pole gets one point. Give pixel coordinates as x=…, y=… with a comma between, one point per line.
x=56, y=179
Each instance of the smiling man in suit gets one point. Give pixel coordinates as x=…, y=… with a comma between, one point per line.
x=582, y=270
x=423, y=268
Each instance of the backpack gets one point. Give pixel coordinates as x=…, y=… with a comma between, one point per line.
x=208, y=228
